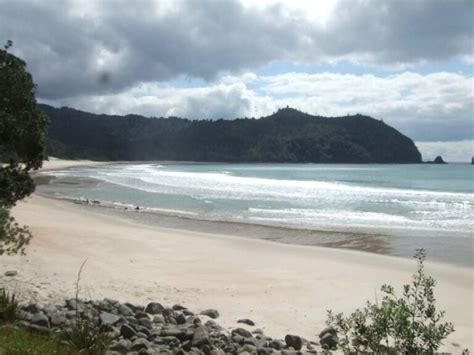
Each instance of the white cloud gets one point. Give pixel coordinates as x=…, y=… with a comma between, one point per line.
x=429, y=107
x=461, y=151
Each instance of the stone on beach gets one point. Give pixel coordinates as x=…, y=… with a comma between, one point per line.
x=212, y=313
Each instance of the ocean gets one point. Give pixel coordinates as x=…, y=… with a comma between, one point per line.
x=411, y=205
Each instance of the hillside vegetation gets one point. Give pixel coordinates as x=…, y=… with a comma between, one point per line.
x=288, y=135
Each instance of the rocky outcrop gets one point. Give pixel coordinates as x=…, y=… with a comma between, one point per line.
x=156, y=329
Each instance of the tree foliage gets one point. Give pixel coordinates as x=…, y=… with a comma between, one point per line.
x=288, y=135
x=23, y=129
x=406, y=324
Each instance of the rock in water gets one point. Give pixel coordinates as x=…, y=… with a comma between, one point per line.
x=294, y=341
x=439, y=160
x=213, y=313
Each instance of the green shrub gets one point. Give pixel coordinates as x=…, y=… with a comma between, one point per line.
x=409, y=324
x=15, y=341
x=87, y=337
x=8, y=306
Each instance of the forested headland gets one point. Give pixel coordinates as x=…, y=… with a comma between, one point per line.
x=288, y=135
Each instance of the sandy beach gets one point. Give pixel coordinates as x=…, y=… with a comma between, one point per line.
x=283, y=288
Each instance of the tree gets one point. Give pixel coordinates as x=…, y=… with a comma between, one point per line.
x=23, y=129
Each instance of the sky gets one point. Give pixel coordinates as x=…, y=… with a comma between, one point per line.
x=408, y=62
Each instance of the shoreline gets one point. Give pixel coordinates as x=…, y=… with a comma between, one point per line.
x=284, y=288
x=399, y=243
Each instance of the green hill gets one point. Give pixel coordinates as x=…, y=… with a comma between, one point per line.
x=288, y=135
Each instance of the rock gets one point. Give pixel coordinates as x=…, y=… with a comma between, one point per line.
x=439, y=160
x=158, y=319
x=242, y=332
x=200, y=337
x=141, y=314
x=251, y=341
x=329, y=330
x=127, y=331
x=141, y=335
x=57, y=319
x=154, y=308
x=108, y=319
x=178, y=307
x=139, y=344
x=213, y=325
x=40, y=320
x=32, y=308
x=212, y=313
x=250, y=349
x=11, y=273
x=328, y=341
x=217, y=352
x=134, y=307
x=125, y=311
x=146, y=322
x=132, y=320
x=276, y=344
x=246, y=321
x=111, y=301
x=294, y=341
x=122, y=345
x=181, y=319
x=187, y=312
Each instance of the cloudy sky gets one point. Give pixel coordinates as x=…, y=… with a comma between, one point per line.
x=408, y=62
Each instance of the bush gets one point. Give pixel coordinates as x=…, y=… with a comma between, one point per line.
x=409, y=324
x=14, y=341
x=8, y=306
x=87, y=337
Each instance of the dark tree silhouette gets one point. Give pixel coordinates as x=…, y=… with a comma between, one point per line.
x=23, y=129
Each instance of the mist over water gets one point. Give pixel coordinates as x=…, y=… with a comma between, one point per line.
x=419, y=199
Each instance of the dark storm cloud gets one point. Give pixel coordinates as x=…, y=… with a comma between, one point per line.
x=118, y=44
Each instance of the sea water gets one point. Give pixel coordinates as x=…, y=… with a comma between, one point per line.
x=419, y=200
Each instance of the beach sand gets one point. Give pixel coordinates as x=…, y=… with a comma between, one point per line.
x=283, y=288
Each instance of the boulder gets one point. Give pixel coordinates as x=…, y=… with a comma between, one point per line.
x=328, y=341
x=294, y=341
x=108, y=319
x=125, y=311
x=200, y=337
x=242, y=332
x=11, y=273
x=127, y=331
x=40, y=320
x=140, y=344
x=122, y=345
x=154, y=308
x=329, y=330
x=178, y=307
x=246, y=321
x=212, y=313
